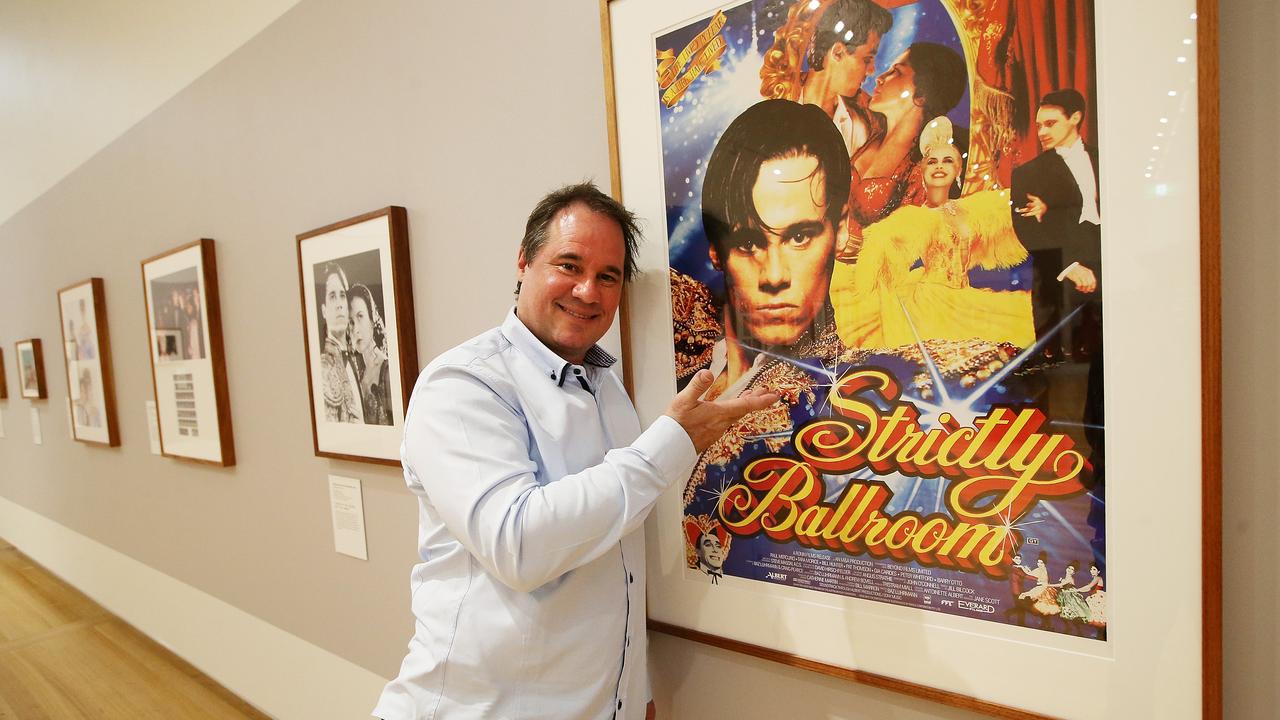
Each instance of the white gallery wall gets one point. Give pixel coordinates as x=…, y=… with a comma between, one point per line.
x=464, y=113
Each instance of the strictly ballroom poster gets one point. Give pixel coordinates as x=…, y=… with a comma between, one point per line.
x=888, y=213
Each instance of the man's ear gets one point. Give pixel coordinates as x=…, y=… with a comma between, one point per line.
x=522, y=264
x=715, y=257
x=1077, y=117
x=836, y=53
x=918, y=100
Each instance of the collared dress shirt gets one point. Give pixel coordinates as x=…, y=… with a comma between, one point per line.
x=1077, y=159
x=533, y=481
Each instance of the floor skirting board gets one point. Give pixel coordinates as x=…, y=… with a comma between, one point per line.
x=271, y=669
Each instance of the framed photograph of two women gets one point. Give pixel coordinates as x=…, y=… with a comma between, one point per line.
x=86, y=355
x=361, y=349
x=922, y=223
x=188, y=364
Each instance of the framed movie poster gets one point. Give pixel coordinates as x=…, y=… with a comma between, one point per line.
x=31, y=369
x=86, y=352
x=188, y=367
x=921, y=222
x=358, y=334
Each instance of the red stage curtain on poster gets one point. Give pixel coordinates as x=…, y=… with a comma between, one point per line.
x=1050, y=48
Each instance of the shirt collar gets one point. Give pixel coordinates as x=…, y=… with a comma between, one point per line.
x=553, y=366
x=1074, y=148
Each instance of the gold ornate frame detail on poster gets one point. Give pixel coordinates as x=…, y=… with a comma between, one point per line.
x=891, y=213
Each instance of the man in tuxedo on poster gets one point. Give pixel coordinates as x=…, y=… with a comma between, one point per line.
x=1055, y=195
x=1056, y=205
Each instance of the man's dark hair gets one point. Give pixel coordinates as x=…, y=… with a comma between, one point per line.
x=855, y=18
x=1068, y=100
x=769, y=130
x=940, y=77
x=537, y=229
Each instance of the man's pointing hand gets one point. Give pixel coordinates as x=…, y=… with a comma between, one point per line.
x=706, y=420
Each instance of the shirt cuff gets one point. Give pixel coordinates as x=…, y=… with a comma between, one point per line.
x=668, y=448
x=1062, y=275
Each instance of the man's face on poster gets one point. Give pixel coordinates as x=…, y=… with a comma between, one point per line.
x=711, y=552
x=1054, y=129
x=777, y=276
x=851, y=67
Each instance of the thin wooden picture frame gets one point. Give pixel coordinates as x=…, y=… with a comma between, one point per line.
x=193, y=375
x=630, y=137
x=4, y=383
x=33, y=376
x=90, y=368
x=358, y=384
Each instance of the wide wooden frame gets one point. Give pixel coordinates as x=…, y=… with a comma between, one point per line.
x=37, y=353
x=216, y=368
x=1204, y=543
x=401, y=318
x=102, y=342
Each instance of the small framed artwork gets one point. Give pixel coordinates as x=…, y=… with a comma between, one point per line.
x=86, y=351
x=358, y=334
x=31, y=369
x=188, y=366
x=4, y=383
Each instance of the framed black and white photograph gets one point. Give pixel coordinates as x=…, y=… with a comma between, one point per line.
x=358, y=333
x=86, y=350
x=189, y=371
x=31, y=369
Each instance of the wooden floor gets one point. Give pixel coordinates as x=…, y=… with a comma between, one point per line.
x=63, y=657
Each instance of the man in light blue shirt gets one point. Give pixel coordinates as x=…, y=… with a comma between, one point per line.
x=534, y=478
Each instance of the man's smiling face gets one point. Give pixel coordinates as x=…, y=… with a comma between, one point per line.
x=571, y=287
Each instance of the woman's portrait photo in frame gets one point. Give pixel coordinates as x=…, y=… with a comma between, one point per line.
x=188, y=365
x=31, y=382
x=890, y=212
x=358, y=334
x=86, y=348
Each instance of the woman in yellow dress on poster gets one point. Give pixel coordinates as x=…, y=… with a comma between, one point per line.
x=911, y=281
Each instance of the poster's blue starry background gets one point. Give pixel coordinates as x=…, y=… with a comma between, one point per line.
x=690, y=129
